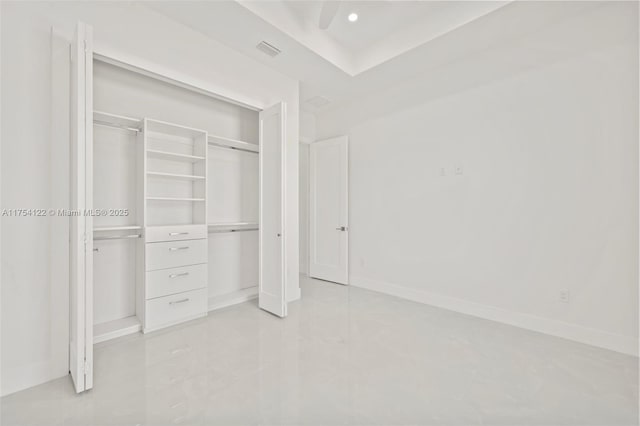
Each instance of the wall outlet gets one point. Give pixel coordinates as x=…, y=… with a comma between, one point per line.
x=459, y=170
x=564, y=295
x=443, y=171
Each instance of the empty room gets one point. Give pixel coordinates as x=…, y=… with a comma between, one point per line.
x=278, y=212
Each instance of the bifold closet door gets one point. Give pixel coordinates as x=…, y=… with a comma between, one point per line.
x=272, y=282
x=81, y=246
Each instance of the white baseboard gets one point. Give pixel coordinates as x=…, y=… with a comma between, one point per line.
x=240, y=296
x=293, y=295
x=172, y=323
x=244, y=295
x=624, y=344
x=114, y=329
x=29, y=375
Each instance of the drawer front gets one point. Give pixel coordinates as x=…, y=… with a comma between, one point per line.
x=175, y=233
x=175, y=280
x=168, y=310
x=175, y=253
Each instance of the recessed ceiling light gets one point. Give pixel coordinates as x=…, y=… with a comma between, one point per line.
x=353, y=17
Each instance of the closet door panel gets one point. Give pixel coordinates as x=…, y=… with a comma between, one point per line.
x=81, y=239
x=272, y=283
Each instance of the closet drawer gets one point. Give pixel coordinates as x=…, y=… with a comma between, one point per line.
x=175, y=233
x=175, y=253
x=176, y=280
x=168, y=310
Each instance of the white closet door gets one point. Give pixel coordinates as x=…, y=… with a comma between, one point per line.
x=328, y=210
x=81, y=257
x=272, y=281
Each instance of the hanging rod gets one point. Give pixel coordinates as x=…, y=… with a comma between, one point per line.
x=117, y=237
x=219, y=145
x=116, y=126
x=217, y=231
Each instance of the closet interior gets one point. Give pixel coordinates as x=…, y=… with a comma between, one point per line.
x=176, y=188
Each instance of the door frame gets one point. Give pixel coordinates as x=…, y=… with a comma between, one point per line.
x=340, y=139
x=95, y=50
x=305, y=141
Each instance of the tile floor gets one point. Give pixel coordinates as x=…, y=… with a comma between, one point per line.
x=343, y=356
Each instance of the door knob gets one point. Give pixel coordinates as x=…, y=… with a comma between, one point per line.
x=341, y=228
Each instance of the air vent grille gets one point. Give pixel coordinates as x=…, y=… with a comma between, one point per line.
x=268, y=48
x=318, y=101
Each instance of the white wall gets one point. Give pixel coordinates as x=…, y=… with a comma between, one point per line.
x=34, y=311
x=35, y=157
x=307, y=136
x=545, y=130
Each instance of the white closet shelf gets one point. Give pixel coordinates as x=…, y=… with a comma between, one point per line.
x=171, y=129
x=175, y=176
x=232, y=143
x=115, y=228
x=116, y=328
x=120, y=121
x=165, y=155
x=173, y=199
x=232, y=226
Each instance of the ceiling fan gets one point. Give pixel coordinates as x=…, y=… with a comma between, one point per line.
x=328, y=12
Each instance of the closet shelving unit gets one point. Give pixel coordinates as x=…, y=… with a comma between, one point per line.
x=164, y=155
x=233, y=227
x=234, y=144
x=115, y=228
x=174, y=199
x=223, y=142
x=124, y=132
x=175, y=196
x=173, y=166
x=175, y=174
x=106, y=119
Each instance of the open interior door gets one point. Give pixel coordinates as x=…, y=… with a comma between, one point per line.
x=81, y=244
x=272, y=276
x=329, y=210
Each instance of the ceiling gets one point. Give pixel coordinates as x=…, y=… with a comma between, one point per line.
x=379, y=19
x=392, y=41
x=384, y=30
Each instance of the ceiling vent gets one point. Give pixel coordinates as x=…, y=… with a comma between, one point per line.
x=268, y=49
x=318, y=101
